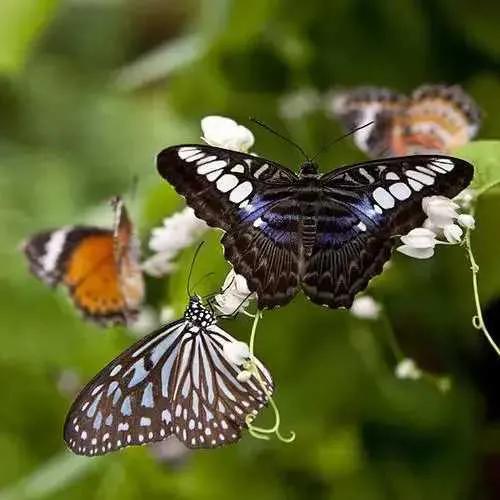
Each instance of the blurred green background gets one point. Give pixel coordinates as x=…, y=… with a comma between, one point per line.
x=90, y=91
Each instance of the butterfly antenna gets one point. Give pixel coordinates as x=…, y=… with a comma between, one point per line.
x=338, y=139
x=197, y=251
x=202, y=279
x=269, y=129
x=219, y=292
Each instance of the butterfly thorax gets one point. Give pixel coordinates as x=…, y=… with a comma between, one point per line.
x=309, y=169
x=198, y=315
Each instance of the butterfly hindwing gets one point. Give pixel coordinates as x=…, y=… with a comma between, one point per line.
x=265, y=248
x=209, y=403
x=174, y=381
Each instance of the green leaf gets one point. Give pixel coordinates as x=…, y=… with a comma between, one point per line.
x=485, y=156
x=20, y=22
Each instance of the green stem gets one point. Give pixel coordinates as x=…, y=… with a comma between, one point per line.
x=478, y=320
x=262, y=432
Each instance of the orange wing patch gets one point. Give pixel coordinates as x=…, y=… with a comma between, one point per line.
x=92, y=277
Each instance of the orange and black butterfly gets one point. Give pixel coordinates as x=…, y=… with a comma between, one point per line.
x=100, y=267
x=434, y=119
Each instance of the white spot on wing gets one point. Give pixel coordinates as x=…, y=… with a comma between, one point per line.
x=392, y=176
x=416, y=186
x=53, y=249
x=227, y=182
x=198, y=156
x=238, y=169
x=383, y=198
x=258, y=222
x=206, y=160
x=361, y=226
x=239, y=193
x=426, y=170
x=445, y=163
x=186, y=152
x=145, y=421
x=211, y=167
x=419, y=176
x=261, y=170
x=400, y=191
x=115, y=370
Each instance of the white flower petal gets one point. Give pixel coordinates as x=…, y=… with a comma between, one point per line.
x=420, y=237
x=236, y=296
x=453, y=233
x=223, y=132
x=244, y=376
x=167, y=314
x=365, y=307
x=178, y=231
x=440, y=210
x=417, y=253
x=159, y=264
x=465, y=198
x=236, y=352
x=467, y=221
x=408, y=369
x=146, y=321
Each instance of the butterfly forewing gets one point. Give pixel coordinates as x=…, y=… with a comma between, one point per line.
x=175, y=381
x=219, y=183
x=127, y=402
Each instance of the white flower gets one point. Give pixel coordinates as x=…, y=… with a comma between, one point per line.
x=453, y=233
x=407, y=369
x=467, y=221
x=167, y=314
x=179, y=231
x=226, y=133
x=244, y=376
x=299, y=103
x=182, y=229
x=465, y=198
x=440, y=210
x=236, y=352
x=146, y=321
x=68, y=382
x=235, y=294
x=418, y=243
x=365, y=307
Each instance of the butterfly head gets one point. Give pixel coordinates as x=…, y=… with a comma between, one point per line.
x=308, y=169
x=197, y=314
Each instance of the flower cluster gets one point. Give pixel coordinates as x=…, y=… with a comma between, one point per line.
x=182, y=229
x=444, y=225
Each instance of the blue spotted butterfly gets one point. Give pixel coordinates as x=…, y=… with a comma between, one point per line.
x=327, y=234
x=175, y=381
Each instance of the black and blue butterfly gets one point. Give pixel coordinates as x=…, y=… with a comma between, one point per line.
x=175, y=381
x=327, y=234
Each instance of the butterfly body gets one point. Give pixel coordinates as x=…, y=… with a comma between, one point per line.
x=327, y=234
x=175, y=381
